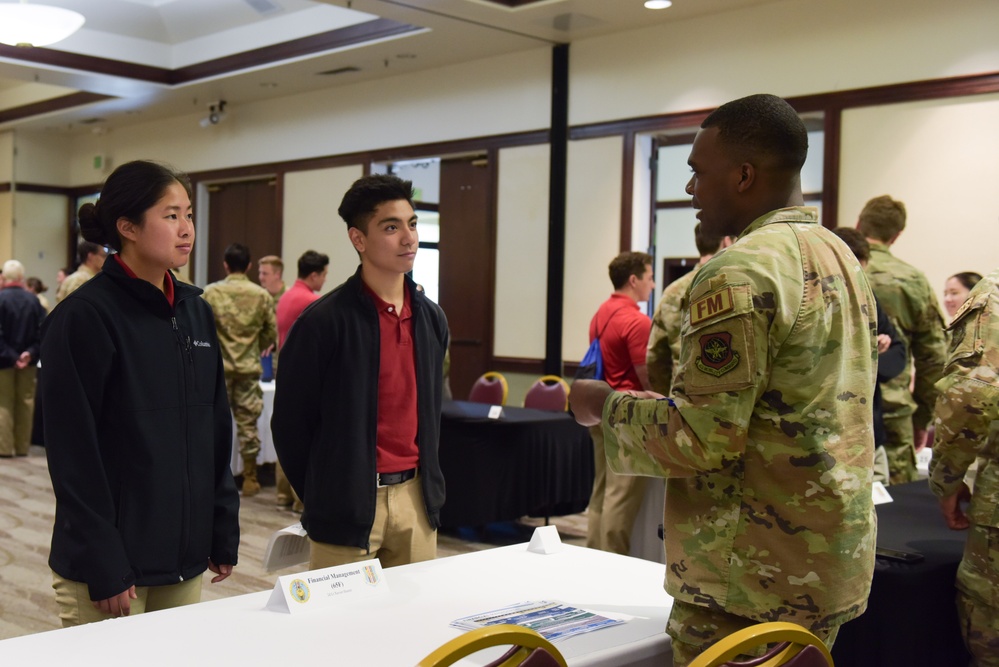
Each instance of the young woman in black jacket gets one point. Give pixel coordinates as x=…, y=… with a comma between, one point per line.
x=137, y=426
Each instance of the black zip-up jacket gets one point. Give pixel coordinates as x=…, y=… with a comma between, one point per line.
x=138, y=436
x=21, y=315
x=325, y=419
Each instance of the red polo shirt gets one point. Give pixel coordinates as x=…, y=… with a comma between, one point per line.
x=624, y=340
x=397, y=416
x=290, y=306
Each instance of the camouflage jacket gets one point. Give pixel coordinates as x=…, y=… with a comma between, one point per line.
x=905, y=294
x=767, y=441
x=244, y=319
x=663, y=355
x=73, y=282
x=968, y=407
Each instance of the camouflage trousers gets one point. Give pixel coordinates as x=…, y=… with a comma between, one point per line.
x=978, y=595
x=246, y=400
x=694, y=628
x=900, y=450
x=614, y=503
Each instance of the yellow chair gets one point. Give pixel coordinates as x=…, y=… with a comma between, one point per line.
x=529, y=649
x=549, y=392
x=797, y=647
x=490, y=388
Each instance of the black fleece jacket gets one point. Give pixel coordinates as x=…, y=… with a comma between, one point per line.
x=326, y=409
x=138, y=436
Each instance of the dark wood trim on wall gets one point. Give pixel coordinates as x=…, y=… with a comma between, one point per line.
x=50, y=105
x=327, y=41
x=519, y=365
x=830, y=169
x=627, y=190
x=39, y=189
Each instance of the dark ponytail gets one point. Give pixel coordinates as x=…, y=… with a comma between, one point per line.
x=130, y=190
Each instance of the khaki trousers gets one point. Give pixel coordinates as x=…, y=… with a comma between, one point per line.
x=401, y=533
x=17, y=409
x=614, y=503
x=76, y=608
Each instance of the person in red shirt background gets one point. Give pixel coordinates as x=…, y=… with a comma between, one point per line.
x=623, y=330
x=312, y=269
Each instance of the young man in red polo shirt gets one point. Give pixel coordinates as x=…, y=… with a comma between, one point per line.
x=623, y=330
x=357, y=408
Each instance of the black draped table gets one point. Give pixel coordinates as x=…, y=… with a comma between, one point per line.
x=911, y=617
x=525, y=463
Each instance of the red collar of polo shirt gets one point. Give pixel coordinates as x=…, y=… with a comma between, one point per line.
x=167, y=281
x=381, y=305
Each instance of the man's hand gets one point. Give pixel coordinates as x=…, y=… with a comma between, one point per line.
x=950, y=506
x=586, y=401
x=118, y=605
x=919, y=438
x=222, y=571
x=23, y=361
x=884, y=342
x=268, y=351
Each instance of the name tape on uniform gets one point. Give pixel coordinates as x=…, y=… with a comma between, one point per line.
x=322, y=589
x=711, y=305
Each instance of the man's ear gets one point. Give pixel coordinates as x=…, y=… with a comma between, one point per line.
x=357, y=238
x=747, y=176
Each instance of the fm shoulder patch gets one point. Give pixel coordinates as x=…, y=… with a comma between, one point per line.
x=711, y=306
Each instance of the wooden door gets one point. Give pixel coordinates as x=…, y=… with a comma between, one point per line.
x=244, y=212
x=467, y=267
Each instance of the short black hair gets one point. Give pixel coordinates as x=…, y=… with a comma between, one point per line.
x=311, y=262
x=761, y=126
x=237, y=257
x=367, y=193
x=86, y=249
x=706, y=242
x=967, y=278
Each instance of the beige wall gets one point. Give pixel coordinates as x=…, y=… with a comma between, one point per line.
x=941, y=159
x=311, y=222
x=522, y=252
x=593, y=233
x=39, y=236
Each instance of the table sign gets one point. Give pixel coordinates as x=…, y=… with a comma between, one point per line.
x=322, y=589
x=545, y=540
x=495, y=411
x=880, y=494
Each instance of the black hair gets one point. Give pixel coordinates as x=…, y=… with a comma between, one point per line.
x=968, y=278
x=311, y=262
x=237, y=257
x=855, y=241
x=761, y=126
x=367, y=193
x=87, y=248
x=130, y=190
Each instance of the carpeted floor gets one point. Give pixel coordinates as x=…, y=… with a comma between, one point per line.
x=27, y=603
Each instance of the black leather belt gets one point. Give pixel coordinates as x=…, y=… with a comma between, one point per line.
x=391, y=478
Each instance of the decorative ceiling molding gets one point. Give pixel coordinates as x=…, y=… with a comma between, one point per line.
x=50, y=105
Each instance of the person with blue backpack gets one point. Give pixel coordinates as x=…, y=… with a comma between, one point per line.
x=620, y=330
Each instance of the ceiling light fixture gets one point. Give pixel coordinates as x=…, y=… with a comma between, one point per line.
x=658, y=4
x=22, y=24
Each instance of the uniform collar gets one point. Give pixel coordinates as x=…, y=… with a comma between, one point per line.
x=802, y=215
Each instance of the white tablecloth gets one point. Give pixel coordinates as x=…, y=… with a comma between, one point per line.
x=394, y=630
x=267, y=453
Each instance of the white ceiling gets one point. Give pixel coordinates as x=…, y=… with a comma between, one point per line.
x=167, y=35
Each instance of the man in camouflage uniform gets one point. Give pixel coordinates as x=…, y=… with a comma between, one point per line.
x=766, y=442
x=966, y=413
x=244, y=319
x=663, y=355
x=91, y=256
x=906, y=296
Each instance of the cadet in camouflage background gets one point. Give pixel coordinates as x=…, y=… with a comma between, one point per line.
x=965, y=417
x=905, y=294
x=91, y=256
x=766, y=442
x=244, y=319
x=664, y=339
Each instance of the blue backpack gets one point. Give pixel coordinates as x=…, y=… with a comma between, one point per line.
x=592, y=365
